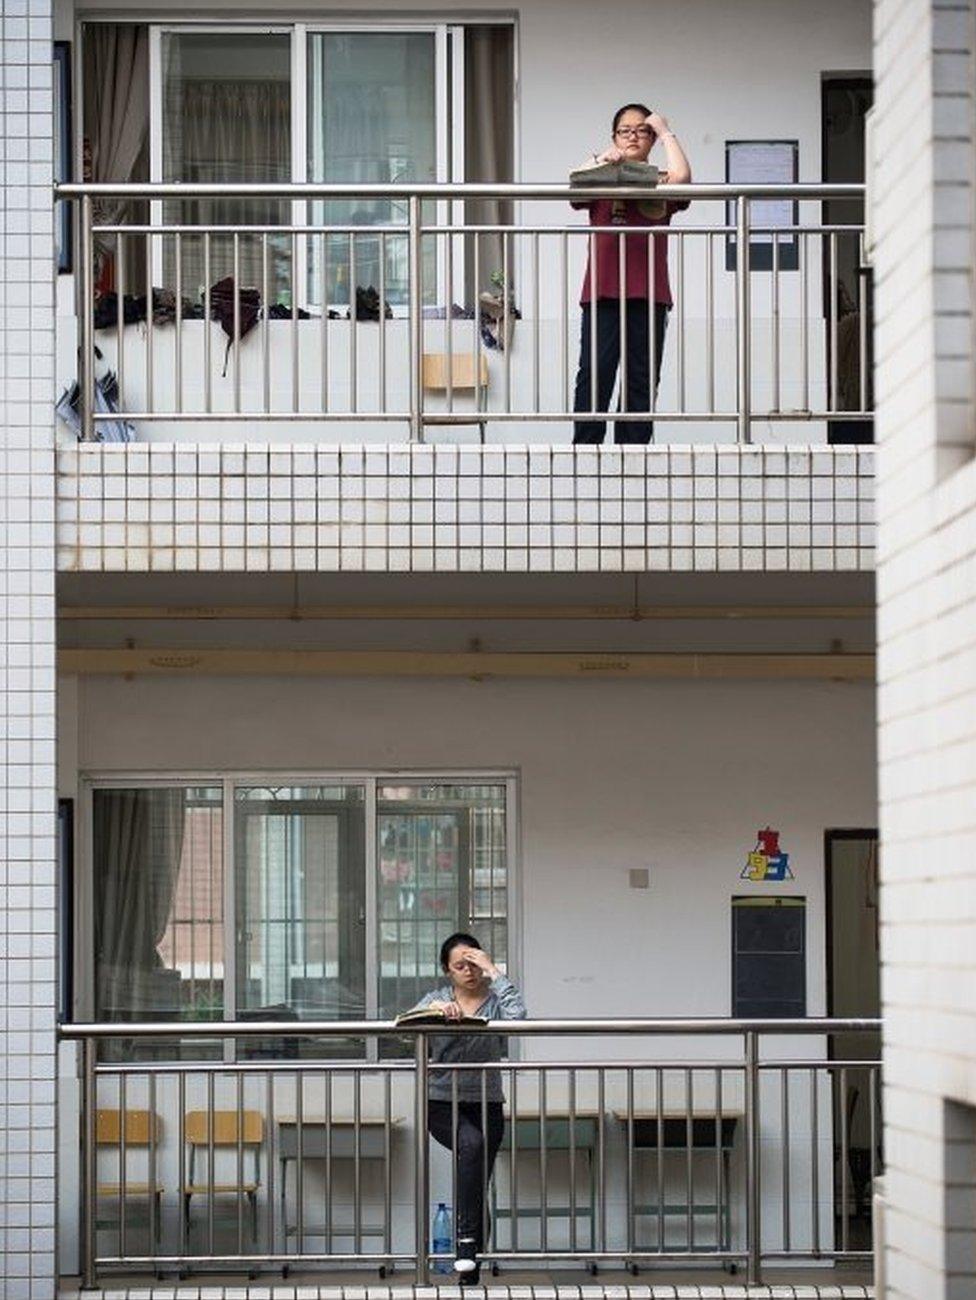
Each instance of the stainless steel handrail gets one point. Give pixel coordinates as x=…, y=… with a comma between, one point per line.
x=531, y=392
x=755, y=1071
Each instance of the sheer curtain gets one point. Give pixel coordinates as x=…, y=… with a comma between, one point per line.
x=138, y=842
x=116, y=128
x=489, y=94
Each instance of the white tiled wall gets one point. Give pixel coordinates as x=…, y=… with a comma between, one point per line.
x=27, y=784
x=447, y=509
x=922, y=212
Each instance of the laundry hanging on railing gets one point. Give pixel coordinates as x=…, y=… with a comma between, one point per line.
x=106, y=403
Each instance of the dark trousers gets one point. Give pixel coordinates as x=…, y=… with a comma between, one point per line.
x=608, y=361
x=474, y=1160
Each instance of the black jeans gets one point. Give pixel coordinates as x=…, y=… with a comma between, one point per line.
x=474, y=1160
x=607, y=362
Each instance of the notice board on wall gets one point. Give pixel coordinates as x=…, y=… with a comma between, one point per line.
x=769, y=957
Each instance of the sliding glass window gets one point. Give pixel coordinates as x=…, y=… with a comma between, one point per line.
x=318, y=914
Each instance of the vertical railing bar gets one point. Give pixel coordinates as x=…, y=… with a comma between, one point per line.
x=631, y=1208
x=486, y=1229
x=329, y=1198
x=455, y=1140
x=239, y=1118
x=710, y=319
x=785, y=1121
x=593, y=324
x=719, y=1158
x=476, y=323
x=86, y=361
x=421, y=1194
x=184, y=1199
x=659, y=1153
x=207, y=341
x=506, y=324
x=652, y=321
x=299, y=1162
x=564, y=340
x=743, y=332
x=237, y=320
x=89, y=1151
x=415, y=353
x=873, y=1134
x=537, y=323
x=387, y=1163
x=862, y=311
x=357, y=1161
x=178, y=382
x=324, y=320
x=815, y=1157
x=753, y=1241
x=513, y=1158
x=622, y=318
x=353, y=329
x=120, y=319
x=269, y=1122
x=295, y=348
x=844, y=1164
x=775, y=324
x=543, y=1164
x=123, y=1158
x=382, y=338
x=153, y=1207
x=150, y=328
x=265, y=324
x=803, y=243
x=211, y=1124
x=573, y=1225
x=689, y=1159
x=601, y=1147
x=682, y=400
x=832, y=321
x=449, y=317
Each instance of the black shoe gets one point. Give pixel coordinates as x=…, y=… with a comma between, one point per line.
x=465, y=1261
x=473, y=1278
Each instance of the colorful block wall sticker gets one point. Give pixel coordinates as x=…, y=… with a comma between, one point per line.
x=767, y=861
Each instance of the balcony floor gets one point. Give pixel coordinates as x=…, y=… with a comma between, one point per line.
x=842, y=1283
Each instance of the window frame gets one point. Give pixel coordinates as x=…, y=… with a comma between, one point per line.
x=229, y=781
x=448, y=125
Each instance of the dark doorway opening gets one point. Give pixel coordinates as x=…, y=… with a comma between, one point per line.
x=848, y=305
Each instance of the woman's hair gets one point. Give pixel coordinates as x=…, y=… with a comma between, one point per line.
x=637, y=108
x=452, y=941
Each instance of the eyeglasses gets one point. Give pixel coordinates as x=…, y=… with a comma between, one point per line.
x=635, y=132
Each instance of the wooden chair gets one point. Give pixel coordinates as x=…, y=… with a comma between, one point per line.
x=468, y=374
x=142, y=1130
x=242, y=1129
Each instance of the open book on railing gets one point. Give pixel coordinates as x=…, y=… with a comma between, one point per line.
x=436, y=1016
x=615, y=173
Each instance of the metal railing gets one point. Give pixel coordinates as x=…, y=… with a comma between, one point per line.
x=770, y=340
x=718, y=1142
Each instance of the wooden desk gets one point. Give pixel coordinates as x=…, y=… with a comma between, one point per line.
x=332, y=1138
x=560, y=1135
x=668, y=1132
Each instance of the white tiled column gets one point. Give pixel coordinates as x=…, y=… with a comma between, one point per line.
x=27, y=781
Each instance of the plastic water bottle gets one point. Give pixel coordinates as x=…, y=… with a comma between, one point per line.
x=441, y=1238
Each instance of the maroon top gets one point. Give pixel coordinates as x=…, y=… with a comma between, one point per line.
x=613, y=212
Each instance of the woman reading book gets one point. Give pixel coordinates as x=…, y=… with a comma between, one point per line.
x=635, y=131
x=475, y=988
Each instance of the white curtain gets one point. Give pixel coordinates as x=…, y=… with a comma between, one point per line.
x=489, y=93
x=116, y=112
x=138, y=842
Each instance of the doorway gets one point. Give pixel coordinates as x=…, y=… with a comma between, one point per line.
x=844, y=105
x=853, y=992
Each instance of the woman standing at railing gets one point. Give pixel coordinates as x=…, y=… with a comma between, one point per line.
x=476, y=987
x=635, y=131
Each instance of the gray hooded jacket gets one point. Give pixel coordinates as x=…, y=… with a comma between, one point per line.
x=503, y=1002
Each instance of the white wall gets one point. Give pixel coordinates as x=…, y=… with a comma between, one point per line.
x=674, y=777
x=923, y=218
x=751, y=70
